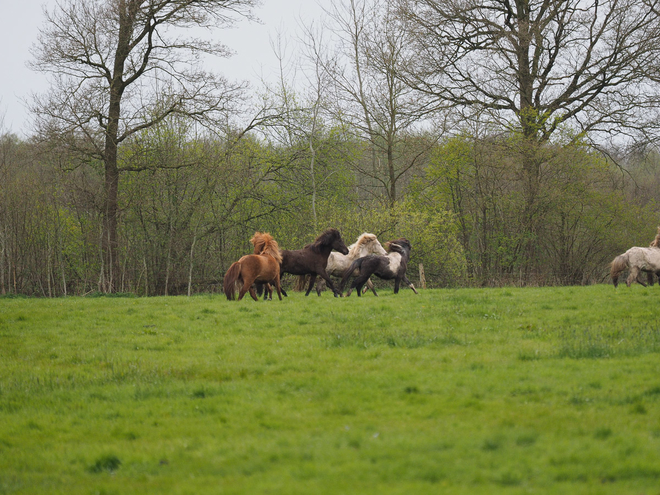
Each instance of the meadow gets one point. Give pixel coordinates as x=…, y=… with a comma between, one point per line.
x=465, y=391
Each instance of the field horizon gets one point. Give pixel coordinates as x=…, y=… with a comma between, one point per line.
x=507, y=390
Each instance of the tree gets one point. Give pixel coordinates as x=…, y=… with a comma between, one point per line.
x=537, y=66
x=362, y=73
x=122, y=66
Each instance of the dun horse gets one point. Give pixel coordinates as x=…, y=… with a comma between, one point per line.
x=392, y=266
x=637, y=260
x=263, y=268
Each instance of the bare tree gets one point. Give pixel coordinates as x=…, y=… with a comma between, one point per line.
x=367, y=93
x=122, y=66
x=536, y=63
x=538, y=67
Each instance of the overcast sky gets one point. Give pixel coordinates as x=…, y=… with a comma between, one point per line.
x=20, y=21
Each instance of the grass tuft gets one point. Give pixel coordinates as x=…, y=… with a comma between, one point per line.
x=106, y=463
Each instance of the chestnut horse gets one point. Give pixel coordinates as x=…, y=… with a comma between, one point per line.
x=263, y=267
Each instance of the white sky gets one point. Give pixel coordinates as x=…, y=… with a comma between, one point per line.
x=20, y=21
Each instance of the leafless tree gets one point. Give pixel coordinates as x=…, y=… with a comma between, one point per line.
x=536, y=63
x=362, y=67
x=119, y=67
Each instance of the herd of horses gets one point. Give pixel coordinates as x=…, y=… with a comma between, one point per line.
x=327, y=256
x=638, y=260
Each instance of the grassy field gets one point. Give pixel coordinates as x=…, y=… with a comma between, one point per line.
x=470, y=391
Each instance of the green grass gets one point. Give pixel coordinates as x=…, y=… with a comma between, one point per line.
x=474, y=391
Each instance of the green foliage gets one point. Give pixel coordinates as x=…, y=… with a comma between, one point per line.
x=560, y=224
x=551, y=390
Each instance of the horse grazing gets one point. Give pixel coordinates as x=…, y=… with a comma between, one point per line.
x=636, y=260
x=263, y=267
x=313, y=258
x=392, y=266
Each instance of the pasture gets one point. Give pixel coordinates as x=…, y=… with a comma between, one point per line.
x=467, y=391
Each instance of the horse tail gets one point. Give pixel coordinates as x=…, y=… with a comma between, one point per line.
x=619, y=264
x=229, y=282
x=349, y=271
x=301, y=283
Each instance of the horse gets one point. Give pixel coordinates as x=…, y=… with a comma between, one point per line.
x=338, y=263
x=263, y=267
x=392, y=266
x=313, y=258
x=636, y=260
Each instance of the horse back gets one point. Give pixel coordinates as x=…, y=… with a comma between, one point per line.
x=262, y=267
x=303, y=261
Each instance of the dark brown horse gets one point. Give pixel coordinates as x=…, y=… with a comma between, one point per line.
x=392, y=266
x=313, y=258
x=263, y=267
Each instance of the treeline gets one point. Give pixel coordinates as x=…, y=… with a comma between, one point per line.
x=190, y=203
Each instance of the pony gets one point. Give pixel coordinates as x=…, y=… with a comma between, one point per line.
x=392, y=266
x=263, y=267
x=636, y=260
x=313, y=258
x=338, y=263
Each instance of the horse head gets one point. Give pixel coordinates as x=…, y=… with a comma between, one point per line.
x=366, y=244
x=401, y=246
x=338, y=243
x=330, y=238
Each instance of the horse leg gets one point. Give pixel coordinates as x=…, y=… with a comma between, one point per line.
x=397, y=282
x=649, y=278
x=369, y=285
x=409, y=284
x=359, y=282
x=311, y=284
x=329, y=283
x=253, y=293
x=244, y=290
x=278, y=288
x=248, y=285
x=640, y=280
x=319, y=287
x=632, y=276
x=279, y=282
x=269, y=289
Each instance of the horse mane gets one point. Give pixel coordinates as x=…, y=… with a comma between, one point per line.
x=656, y=241
x=326, y=238
x=364, y=238
x=395, y=245
x=264, y=243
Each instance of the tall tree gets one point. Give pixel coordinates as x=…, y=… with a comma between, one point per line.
x=122, y=66
x=536, y=66
x=362, y=71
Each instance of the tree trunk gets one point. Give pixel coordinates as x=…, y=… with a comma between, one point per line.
x=110, y=243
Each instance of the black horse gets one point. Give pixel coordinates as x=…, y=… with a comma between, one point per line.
x=392, y=266
x=313, y=258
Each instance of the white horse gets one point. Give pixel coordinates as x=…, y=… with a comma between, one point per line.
x=636, y=260
x=337, y=263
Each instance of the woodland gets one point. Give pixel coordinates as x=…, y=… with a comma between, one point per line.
x=511, y=143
